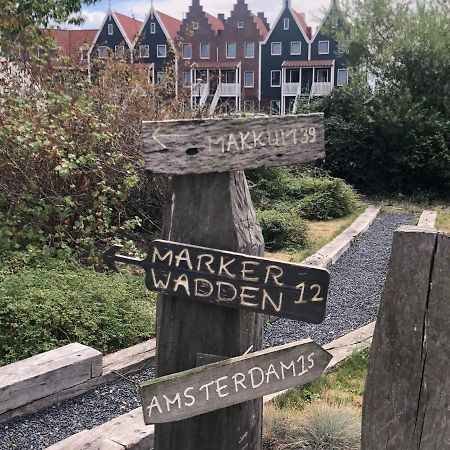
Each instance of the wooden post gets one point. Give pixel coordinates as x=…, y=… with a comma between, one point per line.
x=407, y=397
x=209, y=210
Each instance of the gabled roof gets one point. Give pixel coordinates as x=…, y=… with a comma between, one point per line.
x=216, y=24
x=333, y=4
x=171, y=24
x=261, y=25
x=298, y=64
x=70, y=41
x=129, y=25
x=302, y=21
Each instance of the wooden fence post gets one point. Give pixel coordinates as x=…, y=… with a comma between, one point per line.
x=212, y=210
x=407, y=396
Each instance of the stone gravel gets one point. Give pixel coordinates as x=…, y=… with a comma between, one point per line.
x=356, y=284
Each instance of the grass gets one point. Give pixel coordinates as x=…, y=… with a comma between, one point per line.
x=320, y=233
x=443, y=220
x=325, y=414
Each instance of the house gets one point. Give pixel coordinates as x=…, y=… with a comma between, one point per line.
x=73, y=44
x=295, y=65
x=116, y=37
x=155, y=43
x=220, y=57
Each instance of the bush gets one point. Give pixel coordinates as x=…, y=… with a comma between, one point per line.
x=282, y=229
x=42, y=308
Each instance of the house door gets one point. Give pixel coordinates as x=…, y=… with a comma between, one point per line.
x=307, y=80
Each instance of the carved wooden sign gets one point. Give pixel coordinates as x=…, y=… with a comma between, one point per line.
x=215, y=386
x=232, y=279
x=223, y=145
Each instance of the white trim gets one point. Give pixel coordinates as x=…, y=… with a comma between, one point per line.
x=165, y=51
x=102, y=46
x=328, y=48
x=259, y=74
x=337, y=81
x=119, y=47
x=275, y=85
x=140, y=51
x=152, y=27
x=209, y=50
x=182, y=52
x=271, y=49
x=245, y=49
x=110, y=27
x=296, y=42
x=253, y=84
x=235, y=50
x=286, y=23
x=239, y=23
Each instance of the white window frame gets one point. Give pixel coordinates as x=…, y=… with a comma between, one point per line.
x=245, y=50
x=252, y=85
x=300, y=44
x=187, y=82
x=158, y=74
x=117, y=47
x=209, y=50
x=101, y=48
x=240, y=25
x=321, y=70
x=146, y=53
x=195, y=26
x=271, y=49
x=346, y=73
x=235, y=50
x=110, y=29
x=183, y=46
x=152, y=28
x=271, y=78
x=328, y=48
x=160, y=47
x=286, y=23
x=278, y=103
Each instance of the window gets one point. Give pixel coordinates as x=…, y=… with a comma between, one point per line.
x=187, y=51
x=204, y=50
x=160, y=76
x=286, y=24
x=153, y=28
x=186, y=79
x=102, y=51
x=119, y=51
x=195, y=25
x=161, y=51
x=323, y=47
x=276, y=48
x=275, y=107
x=240, y=25
x=343, y=46
x=249, y=79
x=249, y=105
x=296, y=48
x=249, y=50
x=144, y=51
x=231, y=50
x=342, y=77
x=275, y=78
x=110, y=29
x=322, y=75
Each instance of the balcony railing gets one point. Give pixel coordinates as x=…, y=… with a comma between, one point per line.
x=290, y=88
x=229, y=89
x=198, y=89
x=321, y=88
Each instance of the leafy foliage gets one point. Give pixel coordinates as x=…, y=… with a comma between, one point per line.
x=53, y=303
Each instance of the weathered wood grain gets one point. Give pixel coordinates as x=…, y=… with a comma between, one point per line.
x=230, y=382
x=222, y=145
x=406, y=401
x=212, y=210
x=47, y=373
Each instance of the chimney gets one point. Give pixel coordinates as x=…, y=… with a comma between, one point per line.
x=286, y=3
x=221, y=17
x=264, y=19
x=309, y=32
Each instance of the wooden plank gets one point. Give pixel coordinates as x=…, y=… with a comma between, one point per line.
x=233, y=280
x=47, y=373
x=212, y=210
x=223, y=145
x=332, y=251
x=406, y=402
x=230, y=382
x=129, y=360
x=428, y=219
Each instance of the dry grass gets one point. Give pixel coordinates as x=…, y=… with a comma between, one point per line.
x=320, y=233
x=443, y=220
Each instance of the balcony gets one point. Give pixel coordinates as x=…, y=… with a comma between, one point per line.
x=229, y=89
x=291, y=89
x=320, y=89
x=198, y=89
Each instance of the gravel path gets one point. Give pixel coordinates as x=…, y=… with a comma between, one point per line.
x=356, y=284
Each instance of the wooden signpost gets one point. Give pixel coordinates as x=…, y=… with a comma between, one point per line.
x=236, y=380
x=233, y=280
x=211, y=207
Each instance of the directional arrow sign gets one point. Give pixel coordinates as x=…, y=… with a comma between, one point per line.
x=223, y=145
x=232, y=381
x=232, y=279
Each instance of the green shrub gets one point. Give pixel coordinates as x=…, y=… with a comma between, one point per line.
x=282, y=229
x=47, y=307
x=329, y=198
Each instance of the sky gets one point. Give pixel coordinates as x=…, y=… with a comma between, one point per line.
x=95, y=14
